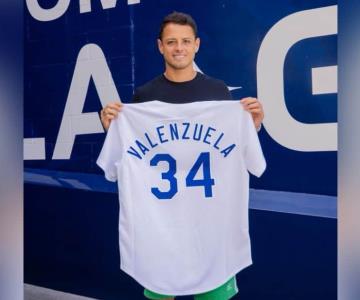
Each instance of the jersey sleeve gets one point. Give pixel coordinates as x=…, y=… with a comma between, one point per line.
x=111, y=152
x=253, y=155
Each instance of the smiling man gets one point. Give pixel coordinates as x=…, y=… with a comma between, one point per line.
x=178, y=42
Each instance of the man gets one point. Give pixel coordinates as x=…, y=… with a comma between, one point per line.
x=180, y=83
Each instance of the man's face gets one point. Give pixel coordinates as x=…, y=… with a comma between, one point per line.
x=178, y=46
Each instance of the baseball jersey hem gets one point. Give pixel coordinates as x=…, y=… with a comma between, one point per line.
x=107, y=175
x=205, y=289
x=259, y=171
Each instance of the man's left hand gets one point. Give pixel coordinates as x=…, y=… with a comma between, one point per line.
x=254, y=107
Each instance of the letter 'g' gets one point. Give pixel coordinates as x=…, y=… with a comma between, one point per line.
x=282, y=127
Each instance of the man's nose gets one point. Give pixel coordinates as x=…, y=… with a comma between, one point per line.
x=179, y=46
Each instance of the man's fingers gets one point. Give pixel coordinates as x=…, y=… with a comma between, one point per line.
x=110, y=117
x=114, y=106
x=249, y=101
x=255, y=111
x=253, y=105
x=109, y=111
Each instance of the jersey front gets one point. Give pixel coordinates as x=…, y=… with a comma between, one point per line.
x=182, y=172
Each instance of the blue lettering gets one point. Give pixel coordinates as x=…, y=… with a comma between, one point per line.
x=186, y=131
x=184, y=136
x=142, y=147
x=134, y=152
x=227, y=150
x=162, y=140
x=174, y=131
x=150, y=142
x=218, y=140
x=207, y=134
x=198, y=137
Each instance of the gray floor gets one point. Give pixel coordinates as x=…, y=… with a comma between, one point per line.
x=32, y=292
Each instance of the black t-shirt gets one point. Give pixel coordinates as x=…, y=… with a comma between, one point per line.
x=201, y=88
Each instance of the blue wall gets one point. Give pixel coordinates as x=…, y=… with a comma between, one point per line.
x=231, y=34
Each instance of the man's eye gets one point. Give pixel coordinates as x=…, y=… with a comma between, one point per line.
x=187, y=42
x=170, y=42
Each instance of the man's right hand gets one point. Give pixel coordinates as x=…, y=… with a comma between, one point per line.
x=109, y=113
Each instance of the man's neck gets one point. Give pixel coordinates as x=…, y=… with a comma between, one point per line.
x=180, y=75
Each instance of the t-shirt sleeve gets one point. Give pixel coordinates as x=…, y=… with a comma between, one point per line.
x=253, y=155
x=225, y=91
x=111, y=152
x=136, y=96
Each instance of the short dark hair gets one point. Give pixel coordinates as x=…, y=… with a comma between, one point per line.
x=180, y=19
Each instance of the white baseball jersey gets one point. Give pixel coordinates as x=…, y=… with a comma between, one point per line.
x=182, y=172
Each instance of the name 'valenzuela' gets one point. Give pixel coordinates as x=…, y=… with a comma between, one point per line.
x=180, y=131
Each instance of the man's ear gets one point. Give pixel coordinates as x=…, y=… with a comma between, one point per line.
x=197, y=44
x=160, y=46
